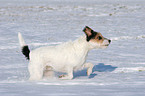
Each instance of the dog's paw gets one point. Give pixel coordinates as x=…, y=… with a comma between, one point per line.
x=65, y=77
x=89, y=71
x=61, y=76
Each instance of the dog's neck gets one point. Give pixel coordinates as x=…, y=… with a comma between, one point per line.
x=81, y=45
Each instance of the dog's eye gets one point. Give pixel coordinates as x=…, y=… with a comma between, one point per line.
x=99, y=37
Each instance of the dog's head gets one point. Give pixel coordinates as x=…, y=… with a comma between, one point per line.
x=95, y=39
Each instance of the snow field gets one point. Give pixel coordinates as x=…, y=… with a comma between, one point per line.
x=118, y=70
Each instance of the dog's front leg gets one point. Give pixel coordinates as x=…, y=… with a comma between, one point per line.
x=89, y=67
x=69, y=75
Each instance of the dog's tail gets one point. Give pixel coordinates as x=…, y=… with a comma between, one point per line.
x=25, y=48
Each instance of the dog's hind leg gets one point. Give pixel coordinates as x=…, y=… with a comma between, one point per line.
x=36, y=71
x=89, y=67
x=48, y=72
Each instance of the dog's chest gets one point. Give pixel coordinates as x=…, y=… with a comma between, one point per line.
x=76, y=59
x=79, y=62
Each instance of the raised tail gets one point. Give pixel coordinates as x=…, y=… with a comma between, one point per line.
x=25, y=48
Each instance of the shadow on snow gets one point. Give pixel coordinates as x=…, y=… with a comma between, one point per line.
x=101, y=67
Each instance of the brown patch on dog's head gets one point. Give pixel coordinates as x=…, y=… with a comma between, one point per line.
x=97, y=38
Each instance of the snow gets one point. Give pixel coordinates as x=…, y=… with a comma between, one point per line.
x=118, y=70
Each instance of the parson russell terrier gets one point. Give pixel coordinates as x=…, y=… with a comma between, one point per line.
x=66, y=57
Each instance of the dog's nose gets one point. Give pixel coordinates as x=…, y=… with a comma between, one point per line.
x=109, y=41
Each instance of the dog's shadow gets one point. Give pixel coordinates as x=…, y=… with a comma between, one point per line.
x=101, y=67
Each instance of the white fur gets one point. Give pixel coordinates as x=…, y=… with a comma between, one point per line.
x=65, y=57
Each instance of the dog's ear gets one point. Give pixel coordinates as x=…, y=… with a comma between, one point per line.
x=89, y=33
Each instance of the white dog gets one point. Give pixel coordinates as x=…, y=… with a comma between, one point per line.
x=66, y=57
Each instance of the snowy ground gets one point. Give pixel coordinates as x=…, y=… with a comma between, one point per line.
x=119, y=70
